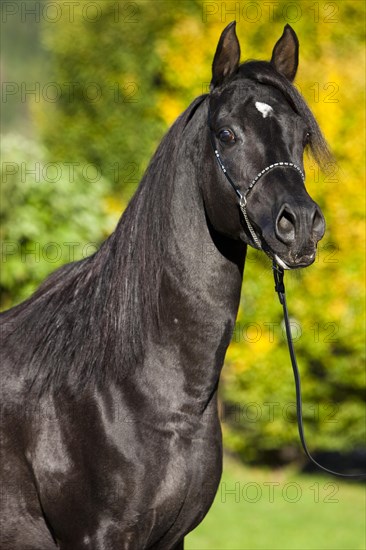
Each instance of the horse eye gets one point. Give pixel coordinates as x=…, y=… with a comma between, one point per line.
x=307, y=137
x=227, y=136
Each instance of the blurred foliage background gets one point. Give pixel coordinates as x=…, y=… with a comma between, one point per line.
x=88, y=92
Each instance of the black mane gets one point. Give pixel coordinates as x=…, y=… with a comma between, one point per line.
x=93, y=314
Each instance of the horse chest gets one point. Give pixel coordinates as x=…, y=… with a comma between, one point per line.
x=148, y=476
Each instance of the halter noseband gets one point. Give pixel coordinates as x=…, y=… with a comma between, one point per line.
x=243, y=198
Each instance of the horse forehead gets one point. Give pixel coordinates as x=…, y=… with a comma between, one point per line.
x=257, y=110
x=245, y=97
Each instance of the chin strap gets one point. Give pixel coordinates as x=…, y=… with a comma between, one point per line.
x=278, y=274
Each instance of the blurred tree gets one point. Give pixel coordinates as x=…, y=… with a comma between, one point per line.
x=108, y=74
x=20, y=63
x=50, y=214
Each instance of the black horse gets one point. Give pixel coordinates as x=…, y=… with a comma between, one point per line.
x=110, y=370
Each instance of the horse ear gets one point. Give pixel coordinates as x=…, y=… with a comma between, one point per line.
x=227, y=56
x=285, y=55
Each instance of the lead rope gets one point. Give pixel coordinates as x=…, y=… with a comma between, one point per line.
x=278, y=274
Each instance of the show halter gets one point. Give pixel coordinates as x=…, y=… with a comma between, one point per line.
x=243, y=198
x=278, y=274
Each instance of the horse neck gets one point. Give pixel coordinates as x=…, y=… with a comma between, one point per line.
x=209, y=263
x=200, y=261
x=199, y=293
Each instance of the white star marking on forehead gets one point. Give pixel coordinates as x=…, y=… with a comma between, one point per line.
x=263, y=108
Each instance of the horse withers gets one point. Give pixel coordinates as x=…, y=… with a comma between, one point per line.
x=110, y=430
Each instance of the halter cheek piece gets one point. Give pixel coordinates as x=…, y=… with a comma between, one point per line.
x=243, y=198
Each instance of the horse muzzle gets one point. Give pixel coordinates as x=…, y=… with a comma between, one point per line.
x=297, y=231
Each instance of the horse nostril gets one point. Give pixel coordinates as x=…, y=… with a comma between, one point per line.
x=318, y=224
x=285, y=225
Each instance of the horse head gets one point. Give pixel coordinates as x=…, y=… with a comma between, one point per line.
x=259, y=126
